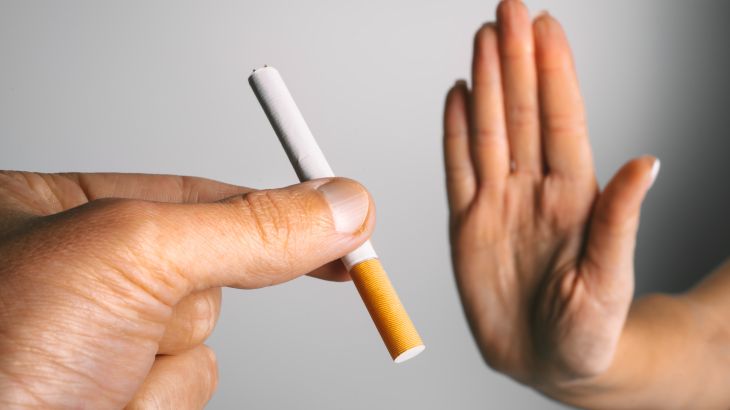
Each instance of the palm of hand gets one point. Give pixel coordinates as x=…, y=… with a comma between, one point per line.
x=518, y=263
x=542, y=260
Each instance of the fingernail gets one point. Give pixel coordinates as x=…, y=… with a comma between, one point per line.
x=655, y=170
x=348, y=202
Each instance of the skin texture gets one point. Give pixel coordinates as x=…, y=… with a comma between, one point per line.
x=543, y=258
x=110, y=283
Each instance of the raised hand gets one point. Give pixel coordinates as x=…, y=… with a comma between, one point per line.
x=543, y=259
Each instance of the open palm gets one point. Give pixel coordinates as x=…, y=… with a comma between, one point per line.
x=543, y=260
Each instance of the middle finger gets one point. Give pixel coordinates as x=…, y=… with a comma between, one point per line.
x=519, y=81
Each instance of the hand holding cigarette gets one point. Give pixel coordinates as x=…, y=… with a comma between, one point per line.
x=110, y=283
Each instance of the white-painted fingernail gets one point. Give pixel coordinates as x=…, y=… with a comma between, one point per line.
x=348, y=202
x=655, y=170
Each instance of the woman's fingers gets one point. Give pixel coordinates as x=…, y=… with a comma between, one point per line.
x=519, y=82
x=183, y=381
x=489, y=146
x=460, y=178
x=193, y=320
x=565, y=136
x=609, y=255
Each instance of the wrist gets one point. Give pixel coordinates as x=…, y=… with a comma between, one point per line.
x=661, y=343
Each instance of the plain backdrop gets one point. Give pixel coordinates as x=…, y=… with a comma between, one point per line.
x=160, y=87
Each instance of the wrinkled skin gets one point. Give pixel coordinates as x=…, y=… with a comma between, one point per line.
x=110, y=283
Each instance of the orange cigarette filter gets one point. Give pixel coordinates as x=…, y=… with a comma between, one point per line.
x=386, y=310
x=376, y=291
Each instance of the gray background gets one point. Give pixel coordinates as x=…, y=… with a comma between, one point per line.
x=161, y=87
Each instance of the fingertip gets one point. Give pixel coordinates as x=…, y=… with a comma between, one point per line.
x=455, y=109
x=210, y=355
x=338, y=277
x=350, y=203
x=485, y=63
x=503, y=9
x=185, y=380
x=460, y=86
x=289, y=232
x=367, y=227
x=193, y=320
x=645, y=167
x=545, y=26
x=509, y=11
x=487, y=32
x=333, y=272
x=462, y=91
x=542, y=17
x=629, y=186
x=453, y=90
x=616, y=218
x=655, y=170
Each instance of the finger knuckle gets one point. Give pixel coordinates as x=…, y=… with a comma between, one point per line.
x=127, y=215
x=271, y=218
x=488, y=137
x=565, y=125
x=272, y=221
x=523, y=114
x=455, y=135
x=132, y=223
x=515, y=51
x=129, y=238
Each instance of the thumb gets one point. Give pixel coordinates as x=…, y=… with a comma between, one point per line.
x=253, y=240
x=609, y=252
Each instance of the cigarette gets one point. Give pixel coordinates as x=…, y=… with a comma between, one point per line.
x=371, y=281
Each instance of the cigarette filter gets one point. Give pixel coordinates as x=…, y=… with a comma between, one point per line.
x=371, y=281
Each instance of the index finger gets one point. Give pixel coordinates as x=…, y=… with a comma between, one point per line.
x=35, y=193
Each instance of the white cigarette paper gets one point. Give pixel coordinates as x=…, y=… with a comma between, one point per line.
x=296, y=138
